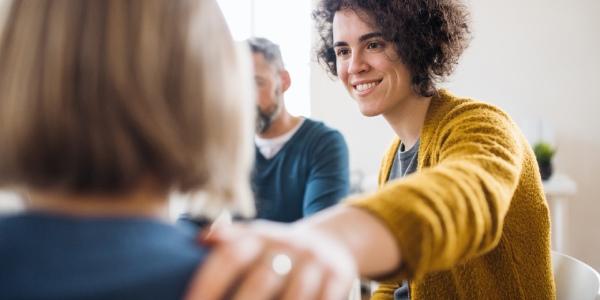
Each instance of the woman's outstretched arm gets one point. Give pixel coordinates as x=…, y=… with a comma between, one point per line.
x=326, y=253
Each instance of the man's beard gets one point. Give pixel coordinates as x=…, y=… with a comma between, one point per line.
x=263, y=120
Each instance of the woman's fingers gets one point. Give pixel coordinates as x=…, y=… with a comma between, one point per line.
x=305, y=282
x=271, y=261
x=261, y=282
x=228, y=260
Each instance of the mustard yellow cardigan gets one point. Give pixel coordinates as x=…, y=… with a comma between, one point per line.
x=472, y=221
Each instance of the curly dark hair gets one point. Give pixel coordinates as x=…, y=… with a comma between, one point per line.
x=430, y=35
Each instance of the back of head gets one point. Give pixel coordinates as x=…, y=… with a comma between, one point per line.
x=99, y=95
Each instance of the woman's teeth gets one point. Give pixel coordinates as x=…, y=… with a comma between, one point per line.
x=365, y=86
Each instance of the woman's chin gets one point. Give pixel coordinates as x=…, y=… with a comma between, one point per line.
x=368, y=111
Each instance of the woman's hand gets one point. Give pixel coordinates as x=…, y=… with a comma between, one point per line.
x=265, y=260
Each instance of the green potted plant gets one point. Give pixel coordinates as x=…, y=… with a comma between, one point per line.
x=543, y=154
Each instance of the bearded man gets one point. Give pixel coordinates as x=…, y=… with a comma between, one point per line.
x=301, y=165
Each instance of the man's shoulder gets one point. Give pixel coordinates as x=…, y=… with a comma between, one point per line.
x=318, y=128
x=316, y=134
x=315, y=138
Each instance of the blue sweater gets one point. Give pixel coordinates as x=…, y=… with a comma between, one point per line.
x=307, y=175
x=52, y=257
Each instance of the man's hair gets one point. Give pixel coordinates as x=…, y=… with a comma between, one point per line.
x=269, y=50
x=429, y=35
x=97, y=96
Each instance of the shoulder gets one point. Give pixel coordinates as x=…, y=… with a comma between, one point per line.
x=457, y=106
x=155, y=259
x=450, y=111
x=453, y=120
x=317, y=141
x=319, y=131
x=464, y=123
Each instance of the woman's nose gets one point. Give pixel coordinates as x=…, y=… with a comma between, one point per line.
x=357, y=64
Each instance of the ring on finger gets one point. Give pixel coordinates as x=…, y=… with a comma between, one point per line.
x=281, y=264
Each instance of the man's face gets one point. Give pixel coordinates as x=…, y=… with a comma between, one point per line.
x=368, y=66
x=269, y=92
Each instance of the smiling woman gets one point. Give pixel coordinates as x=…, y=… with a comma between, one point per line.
x=428, y=52
x=369, y=66
x=460, y=213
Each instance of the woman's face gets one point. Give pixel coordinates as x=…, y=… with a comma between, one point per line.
x=368, y=65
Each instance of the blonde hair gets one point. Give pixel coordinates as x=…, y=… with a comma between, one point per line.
x=97, y=95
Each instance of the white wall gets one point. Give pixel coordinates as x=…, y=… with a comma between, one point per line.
x=256, y=18
x=537, y=59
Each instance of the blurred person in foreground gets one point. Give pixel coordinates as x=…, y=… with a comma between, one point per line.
x=301, y=165
x=460, y=213
x=106, y=107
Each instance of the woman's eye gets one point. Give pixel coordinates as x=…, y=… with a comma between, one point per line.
x=374, y=45
x=342, y=52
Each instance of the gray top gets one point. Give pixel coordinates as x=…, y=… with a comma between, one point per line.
x=405, y=163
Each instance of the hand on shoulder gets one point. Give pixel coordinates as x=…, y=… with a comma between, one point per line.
x=267, y=260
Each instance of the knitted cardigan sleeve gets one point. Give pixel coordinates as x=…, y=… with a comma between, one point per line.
x=453, y=208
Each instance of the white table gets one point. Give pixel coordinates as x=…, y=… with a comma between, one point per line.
x=559, y=189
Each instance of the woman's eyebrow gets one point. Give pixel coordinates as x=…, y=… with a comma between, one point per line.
x=370, y=35
x=361, y=39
